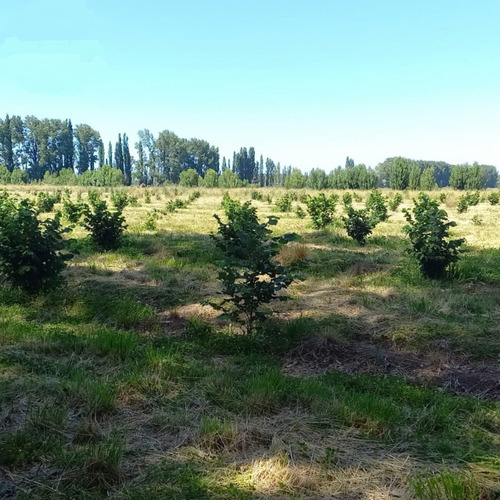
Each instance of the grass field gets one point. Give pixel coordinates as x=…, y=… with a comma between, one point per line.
x=372, y=383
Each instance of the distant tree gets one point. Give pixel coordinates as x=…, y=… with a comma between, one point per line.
x=399, y=174
x=474, y=178
x=252, y=167
x=19, y=176
x=119, y=154
x=427, y=180
x=200, y=156
x=171, y=155
x=414, y=177
x=101, y=154
x=146, y=149
x=490, y=176
x=88, y=142
x=109, y=158
x=296, y=180
x=224, y=164
x=349, y=162
x=317, y=179
x=211, y=178
x=270, y=168
x=11, y=139
x=4, y=175
x=229, y=180
x=67, y=146
x=140, y=171
x=458, y=177
x=278, y=178
x=262, y=177
x=127, y=161
x=189, y=178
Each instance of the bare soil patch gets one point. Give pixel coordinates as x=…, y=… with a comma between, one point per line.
x=321, y=354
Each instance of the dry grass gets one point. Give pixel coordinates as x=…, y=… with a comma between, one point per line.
x=293, y=252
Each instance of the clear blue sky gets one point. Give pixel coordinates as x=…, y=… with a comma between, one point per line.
x=305, y=83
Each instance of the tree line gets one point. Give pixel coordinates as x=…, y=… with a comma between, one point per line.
x=53, y=151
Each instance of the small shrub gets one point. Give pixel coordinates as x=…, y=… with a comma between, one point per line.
x=46, y=201
x=428, y=230
x=105, y=227
x=269, y=199
x=462, y=204
x=473, y=198
x=358, y=224
x=476, y=220
x=284, y=204
x=72, y=212
x=93, y=196
x=442, y=197
x=468, y=200
x=377, y=206
x=32, y=252
x=493, y=198
x=174, y=205
x=321, y=209
x=299, y=212
x=255, y=195
x=151, y=219
x=396, y=200
x=120, y=200
x=347, y=200
x=194, y=196
x=147, y=197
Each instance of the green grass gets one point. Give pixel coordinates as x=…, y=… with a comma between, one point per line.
x=121, y=385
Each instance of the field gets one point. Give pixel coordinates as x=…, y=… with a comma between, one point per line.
x=371, y=383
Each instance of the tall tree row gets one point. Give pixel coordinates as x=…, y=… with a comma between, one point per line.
x=46, y=147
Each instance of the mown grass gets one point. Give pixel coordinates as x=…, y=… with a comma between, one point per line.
x=121, y=385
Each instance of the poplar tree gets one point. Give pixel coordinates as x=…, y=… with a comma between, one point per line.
x=127, y=161
x=119, y=154
x=110, y=154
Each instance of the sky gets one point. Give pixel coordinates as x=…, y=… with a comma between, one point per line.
x=304, y=83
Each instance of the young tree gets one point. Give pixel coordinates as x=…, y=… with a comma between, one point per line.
x=250, y=274
x=428, y=229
